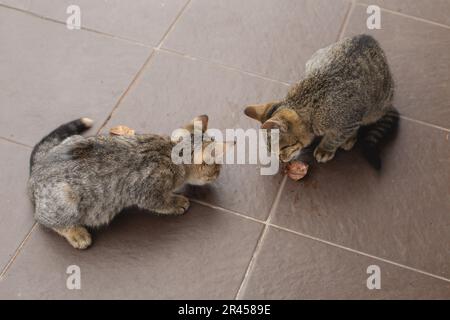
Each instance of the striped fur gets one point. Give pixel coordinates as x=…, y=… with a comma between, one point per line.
x=373, y=135
x=57, y=136
x=347, y=89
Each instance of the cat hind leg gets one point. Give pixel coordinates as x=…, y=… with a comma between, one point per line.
x=57, y=208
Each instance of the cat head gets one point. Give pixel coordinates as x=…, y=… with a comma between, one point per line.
x=295, y=133
x=208, y=170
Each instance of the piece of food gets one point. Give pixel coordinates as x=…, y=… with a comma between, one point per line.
x=296, y=170
x=121, y=131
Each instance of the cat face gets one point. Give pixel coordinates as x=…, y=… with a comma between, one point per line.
x=294, y=132
x=208, y=170
x=201, y=174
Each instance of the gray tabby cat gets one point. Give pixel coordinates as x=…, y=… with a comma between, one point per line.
x=347, y=85
x=78, y=182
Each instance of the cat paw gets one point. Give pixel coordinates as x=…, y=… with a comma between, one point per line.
x=349, y=144
x=78, y=237
x=323, y=156
x=181, y=204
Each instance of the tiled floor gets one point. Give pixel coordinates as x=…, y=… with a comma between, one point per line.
x=153, y=65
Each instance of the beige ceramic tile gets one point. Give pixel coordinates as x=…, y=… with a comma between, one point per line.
x=203, y=254
x=51, y=75
x=145, y=21
x=433, y=10
x=270, y=37
x=292, y=267
x=400, y=213
x=16, y=217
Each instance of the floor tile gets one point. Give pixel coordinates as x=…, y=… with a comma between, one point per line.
x=401, y=213
x=421, y=70
x=203, y=254
x=16, y=218
x=434, y=10
x=270, y=37
x=55, y=75
x=52, y=75
x=173, y=90
x=19, y=4
x=151, y=19
x=292, y=267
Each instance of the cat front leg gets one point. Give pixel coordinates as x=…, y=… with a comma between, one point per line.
x=77, y=236
x=350, y=143
x=331, y=141
x=322, y=155
x=172, y=203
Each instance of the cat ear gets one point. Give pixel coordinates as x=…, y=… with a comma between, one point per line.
x=198, y=121
x=275, y=124
x=258, y=111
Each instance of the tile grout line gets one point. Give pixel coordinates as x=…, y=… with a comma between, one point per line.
x=87, y=29
x=172, y=25
x=225, y=66
x=17, y=252
x=346, y=19
x=360, y=253
x=157, y=48
x=115, y=37
x=227, y=211
x=128, y=88
x=424, y=123
x=143, y=67
x=256, y=75
x=276, y=201
x=268, y=221
x=16, y=142
x=22, y=244
x=260, y=241
x=362, y=4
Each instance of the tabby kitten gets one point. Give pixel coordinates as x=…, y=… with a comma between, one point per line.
x=78, y=182
x=346, y=86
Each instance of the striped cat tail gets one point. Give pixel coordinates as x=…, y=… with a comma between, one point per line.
x=372, y=135
x=57, y=136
